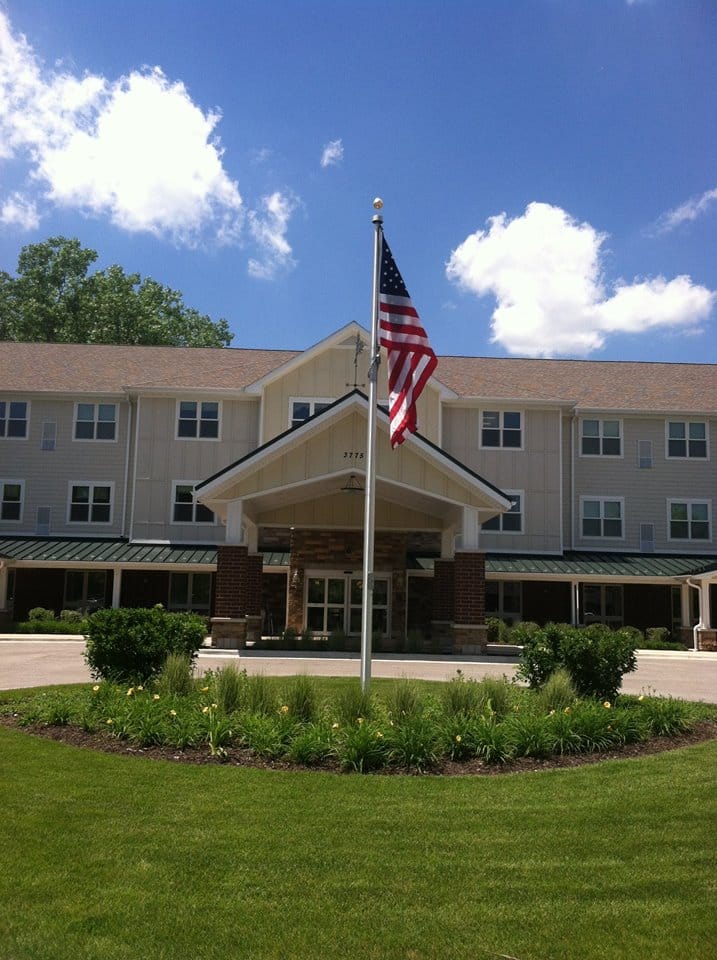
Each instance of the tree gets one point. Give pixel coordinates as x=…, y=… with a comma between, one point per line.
x=54, y=300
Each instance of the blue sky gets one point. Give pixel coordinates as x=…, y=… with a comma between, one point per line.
x=547, y=167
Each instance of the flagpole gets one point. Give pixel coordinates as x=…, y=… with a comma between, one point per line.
x=370, y=500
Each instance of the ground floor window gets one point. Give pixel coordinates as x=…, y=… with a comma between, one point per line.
x=333, y=603
x=85, y=590
x=190, y=592
x=603, y=603
x=504, y=600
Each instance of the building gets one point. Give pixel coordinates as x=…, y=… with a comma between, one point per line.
x=230, y=482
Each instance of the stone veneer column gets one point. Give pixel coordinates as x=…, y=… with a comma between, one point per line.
x=470, y=633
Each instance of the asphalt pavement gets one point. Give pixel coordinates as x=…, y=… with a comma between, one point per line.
x=35, y=662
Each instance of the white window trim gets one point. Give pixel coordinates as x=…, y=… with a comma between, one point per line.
x=91, y=484
x=500, y=530
x=8, y=401
x=95, y=421
x=601, y=501
x=184, y=523
x=198, y=439
x=689, y=502
x=310, y=574
x=501, y=413
x=598, y=456
x=312, y=401
x=21, y=484
x=669, y=456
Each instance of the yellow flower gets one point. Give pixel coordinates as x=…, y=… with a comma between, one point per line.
x=379, y=735
x=140, y=687
x=458, y=738
x=284, y=709
x=130, y=691
x=641, y=698
x=359, y=720
x=156, y=696
x=609, y=726
x=552, y=713
x=606, y=704
x=96, y=687
x=567, y=710
x=214, y=706
x=109, y=721
x=334, y=726
x=205, y=709
x=205, y=689
x=173, y=713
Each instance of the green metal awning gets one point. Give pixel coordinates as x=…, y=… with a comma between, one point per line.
x=61, y=550
x=576, y=564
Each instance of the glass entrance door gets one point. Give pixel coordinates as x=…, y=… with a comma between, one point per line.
x=333, y=603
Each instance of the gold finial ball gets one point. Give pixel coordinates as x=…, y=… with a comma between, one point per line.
x=377, y=203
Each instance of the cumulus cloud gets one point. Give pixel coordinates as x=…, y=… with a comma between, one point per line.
x=545, y=271
x=333, y=153
x=19, y=211
x=137, y=150
x=690, y=210
x=269, y=225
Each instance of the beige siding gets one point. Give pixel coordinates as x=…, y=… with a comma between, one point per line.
x=346, y=511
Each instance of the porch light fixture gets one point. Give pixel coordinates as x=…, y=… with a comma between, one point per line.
x=352, y=485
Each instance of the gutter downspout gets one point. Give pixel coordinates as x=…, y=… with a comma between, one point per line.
x=699, y=625
x=126, y=464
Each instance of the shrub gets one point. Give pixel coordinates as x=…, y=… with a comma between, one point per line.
x=460, y=697
x=259, y=695
x=353, y=703
x=494, y=696
x=523, y=632
x=529, y=736
x=70, y=616
x=315, y=744
x=228, y=684
x=498, y=630
x=660, y=638
x=301, y=698
x=666, y=716
x=541, y=655
x=265, y=735
x=176, y=675
x=41, y=613
x=489, y=740
x=557, y=693
x=404, y=700
x=52, y=626
x=290, y=638
x=597, y=658
x=414, y=743
x=131, y=645
x=337, y=640
x=362, y=747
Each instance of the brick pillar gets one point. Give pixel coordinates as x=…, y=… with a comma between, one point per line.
x=237, y=596
x=469, y=630
x=443, y=589
x=230, y=594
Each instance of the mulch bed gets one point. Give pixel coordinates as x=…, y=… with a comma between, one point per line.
x=238, y=757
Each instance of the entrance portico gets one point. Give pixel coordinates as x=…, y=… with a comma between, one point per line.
x=310, y=481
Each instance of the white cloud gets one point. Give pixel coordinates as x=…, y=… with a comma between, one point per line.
x=136, y=149
x=269, y=226
x=333, y=153
x=690, y=210
x=545, y=271
x=19, y=211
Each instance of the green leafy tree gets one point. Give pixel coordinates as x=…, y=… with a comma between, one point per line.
x=53, y=299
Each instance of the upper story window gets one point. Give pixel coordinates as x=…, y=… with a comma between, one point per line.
x=689, y=519
x=95, y=421
x=198, y=419
x=687, y=439
x=301, y=409
x=601, y=438
x=90, y=503
x=512, y=520
x=13, y=418
x=601, y=516
x=184, y=507
x=501, y=428
x=11, y=499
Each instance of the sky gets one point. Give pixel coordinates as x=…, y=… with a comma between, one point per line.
x=548, y=167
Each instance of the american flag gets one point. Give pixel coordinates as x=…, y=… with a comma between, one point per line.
x=411, y=361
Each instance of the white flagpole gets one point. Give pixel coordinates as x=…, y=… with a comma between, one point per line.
x=370, y=501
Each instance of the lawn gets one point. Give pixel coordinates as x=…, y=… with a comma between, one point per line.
x=116, y=857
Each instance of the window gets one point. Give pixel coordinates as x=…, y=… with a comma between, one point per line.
x=301, y=409
x=95, y=421
x=11, y=498
x=644, y=454
x=647, y=537
x=184, y=507
x=49, y=435
x=687, y=439
x=504, y=599
x=512, y=520
x=13, y=418
x=601, y=438
x=689, y=519
x=602, y=603
x=190, y=592
x=198, y=420
x=501, y=429
x=42, y=521
x=90, y=503
x=601, y=517
x=85, y=590
x=334, y=603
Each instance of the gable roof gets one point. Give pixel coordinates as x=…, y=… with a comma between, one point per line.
x=586, y=384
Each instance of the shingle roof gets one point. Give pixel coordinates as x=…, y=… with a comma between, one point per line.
x=597, y=384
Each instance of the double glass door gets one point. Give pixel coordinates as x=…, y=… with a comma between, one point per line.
x=333, y=603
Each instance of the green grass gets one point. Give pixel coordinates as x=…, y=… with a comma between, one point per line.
x=115, y=857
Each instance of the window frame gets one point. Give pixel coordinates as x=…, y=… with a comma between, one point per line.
x=312, y=401
x=189, y=606
x=501, y=429
x=520, y=495
x=195, y=506
x=85, y=602
x=509, y=618
x=601, y=421
x=5, y=419
x=198, y=420
x=689, y=502
x=7, y=482
x=602, y=518
x=95, y=422
x=609, y=620
x=687, y=440
x=93, y=485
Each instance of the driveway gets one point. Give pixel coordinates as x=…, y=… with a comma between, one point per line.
x=30, y=663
